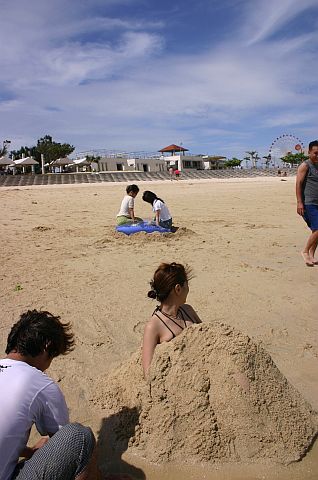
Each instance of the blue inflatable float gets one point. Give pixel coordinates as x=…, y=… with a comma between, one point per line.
x=141, y=227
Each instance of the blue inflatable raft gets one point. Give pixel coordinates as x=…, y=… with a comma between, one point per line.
x=141, y=227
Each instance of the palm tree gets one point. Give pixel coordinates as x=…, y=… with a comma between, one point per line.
x=268, y=159
x=4, y=149
x=247, y=159
x=254, y=157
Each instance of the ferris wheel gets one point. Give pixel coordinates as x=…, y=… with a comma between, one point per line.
x=283, y=145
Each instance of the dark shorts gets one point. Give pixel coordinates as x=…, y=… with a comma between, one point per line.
x=166, y=223
x=311, y=216
x=64, y=456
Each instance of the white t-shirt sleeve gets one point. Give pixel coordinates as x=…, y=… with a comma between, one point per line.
x=54, y=411
x=131, y=202
x=157, y=205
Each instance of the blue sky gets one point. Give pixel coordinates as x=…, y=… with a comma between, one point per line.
x=220, y=77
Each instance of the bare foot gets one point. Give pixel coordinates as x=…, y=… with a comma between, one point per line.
x=307, y=259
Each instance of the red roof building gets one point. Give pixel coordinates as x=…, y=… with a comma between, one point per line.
x=173, y=149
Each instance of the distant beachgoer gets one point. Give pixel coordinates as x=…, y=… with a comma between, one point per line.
x=29, y=396
x=171, y=173
x=285, y=174
x=170, y=287
x=177, y=174
x=162, y=214
x=279, y=173
x=126, y=213
x=307, y=201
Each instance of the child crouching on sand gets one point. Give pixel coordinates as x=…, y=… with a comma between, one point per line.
x=162, y=214
x=126, y=213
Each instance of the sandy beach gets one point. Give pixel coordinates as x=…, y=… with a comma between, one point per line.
x=242, y=238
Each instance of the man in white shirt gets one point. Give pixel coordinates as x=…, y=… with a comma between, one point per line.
x=29, y=396
x=126, y=214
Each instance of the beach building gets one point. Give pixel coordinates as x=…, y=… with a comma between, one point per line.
x=126, y=163
x=175, y=157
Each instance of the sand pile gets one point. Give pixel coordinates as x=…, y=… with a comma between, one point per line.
x=213, y=396
x=119, y=238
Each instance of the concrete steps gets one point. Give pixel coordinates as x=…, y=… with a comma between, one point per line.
x=132, y=177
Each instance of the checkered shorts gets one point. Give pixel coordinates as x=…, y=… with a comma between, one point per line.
x=63, y=457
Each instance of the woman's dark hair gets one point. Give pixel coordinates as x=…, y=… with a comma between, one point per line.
x=132, y=188
x=39, y=331
x=150, y=197
x=166, y=277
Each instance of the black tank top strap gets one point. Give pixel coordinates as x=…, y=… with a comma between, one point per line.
x=156, y=310
x=183, y=312
x=172, y=320
x=173, y=334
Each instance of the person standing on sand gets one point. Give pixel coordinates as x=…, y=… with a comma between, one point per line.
x=307, y=200
x=29, y=396
x=126, y=214
x=170, y=287
x=177, y=173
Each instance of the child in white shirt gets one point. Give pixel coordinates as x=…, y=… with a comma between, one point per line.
x=162, y=215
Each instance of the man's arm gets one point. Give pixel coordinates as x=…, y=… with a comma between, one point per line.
x=54, y=412
x=132, y=214
x=54, y=415
x=301, y=175
x=27, y=452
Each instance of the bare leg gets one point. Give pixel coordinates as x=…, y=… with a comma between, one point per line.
x=310, y=248
x=312, y=251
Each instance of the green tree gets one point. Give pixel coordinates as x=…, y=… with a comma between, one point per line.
x=47, y=147
x=234, y=162
x=52, y=150
x=294, y=158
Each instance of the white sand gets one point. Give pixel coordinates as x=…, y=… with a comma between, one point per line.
x=242, y=238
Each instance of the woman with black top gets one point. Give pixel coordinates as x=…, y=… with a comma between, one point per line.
x=170, y=287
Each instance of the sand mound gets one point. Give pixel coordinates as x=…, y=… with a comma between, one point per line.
x=213, y=396
x=118, y=238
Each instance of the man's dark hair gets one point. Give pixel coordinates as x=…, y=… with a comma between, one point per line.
x=132, y=188
x=312, y=144
x=39, y=331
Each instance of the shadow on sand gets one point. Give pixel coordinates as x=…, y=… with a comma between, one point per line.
x=112, y=442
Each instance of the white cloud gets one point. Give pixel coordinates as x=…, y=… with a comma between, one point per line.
x=263, y=18
x=126, y=89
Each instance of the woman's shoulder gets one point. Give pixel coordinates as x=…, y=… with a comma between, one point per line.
x=153, y=320
x=189, y=310
x=153, y=324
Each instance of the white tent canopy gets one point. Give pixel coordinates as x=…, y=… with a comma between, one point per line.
x=5, y=161
x=23, y=162
x=62, y=162
x=81, y=161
